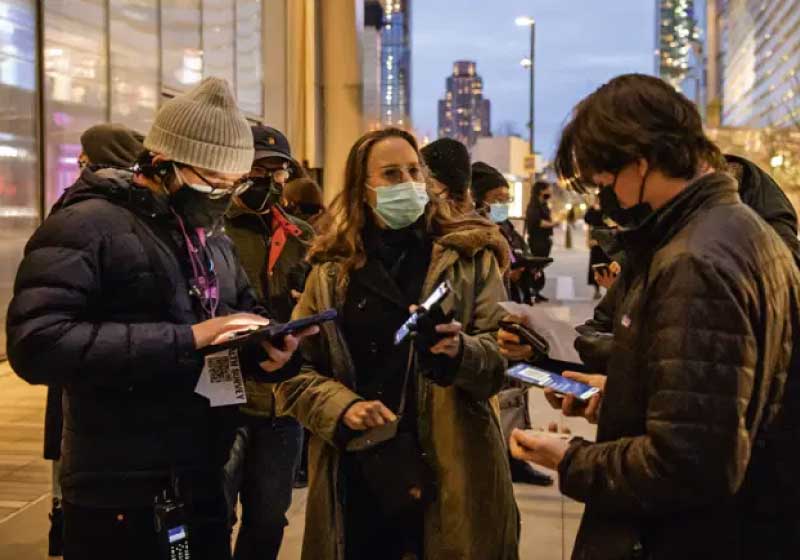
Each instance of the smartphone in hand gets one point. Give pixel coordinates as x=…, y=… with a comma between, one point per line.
x=544, y=379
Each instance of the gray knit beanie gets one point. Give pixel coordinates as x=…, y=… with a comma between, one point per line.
x=204, y=128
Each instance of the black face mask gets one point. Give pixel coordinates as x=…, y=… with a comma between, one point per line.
x=261, y=195
x=546, y=197
x=197, y=210
x=304, y=209
x=628, y=218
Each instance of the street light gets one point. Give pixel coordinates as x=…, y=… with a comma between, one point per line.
x=527, y=21
x=776, y=161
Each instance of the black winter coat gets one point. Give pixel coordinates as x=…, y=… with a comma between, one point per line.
x=697, y=453
x=102, y=307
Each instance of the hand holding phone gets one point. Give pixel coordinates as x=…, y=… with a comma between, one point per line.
x=561, y=384
x=273, y=333
x=430, y=312
x=527, y=337
x=571, y=405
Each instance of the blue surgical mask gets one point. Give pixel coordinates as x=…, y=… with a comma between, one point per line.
x=498, y=212
x=401, y=205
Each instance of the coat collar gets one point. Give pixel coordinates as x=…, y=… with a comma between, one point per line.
x=373, y=276
x=661, y=226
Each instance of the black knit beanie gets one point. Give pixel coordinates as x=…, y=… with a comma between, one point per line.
x=112, y=144
x=485, y=178
x=448, y=162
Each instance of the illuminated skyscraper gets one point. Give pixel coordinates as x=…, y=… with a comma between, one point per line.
x=759, y=62
x=678, y=52
x=463, y=113
x=396, y=63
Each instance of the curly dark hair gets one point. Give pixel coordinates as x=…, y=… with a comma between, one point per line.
x=631, y=117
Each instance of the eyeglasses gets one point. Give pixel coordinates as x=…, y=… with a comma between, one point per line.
x=397, y=173
x=213, y=190
x=280, y=175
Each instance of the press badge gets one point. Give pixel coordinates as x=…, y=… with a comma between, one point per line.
x=221, y=380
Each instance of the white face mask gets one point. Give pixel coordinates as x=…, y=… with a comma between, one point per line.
x=401, y=205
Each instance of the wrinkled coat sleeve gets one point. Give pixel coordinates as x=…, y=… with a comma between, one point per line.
x=700, y=359
x=482, y=369
x=314, y=397
x=595, y=348
x=52, y=337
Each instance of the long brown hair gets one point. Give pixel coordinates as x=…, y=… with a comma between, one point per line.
x=342, y=241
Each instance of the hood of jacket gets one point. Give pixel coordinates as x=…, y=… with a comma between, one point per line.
x=115, y=186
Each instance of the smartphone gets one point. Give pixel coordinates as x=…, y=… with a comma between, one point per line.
x=275, y=332
x=527, y=336
x=532, y=263
x=433, y=301
x=544, y=379
x=601, y=268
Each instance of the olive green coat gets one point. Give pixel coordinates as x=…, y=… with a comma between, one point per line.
x=252, y=239
x=474, y=516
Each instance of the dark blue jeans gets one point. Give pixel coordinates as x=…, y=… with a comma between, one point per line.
x=260, y=470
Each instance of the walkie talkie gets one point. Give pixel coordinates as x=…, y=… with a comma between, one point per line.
x=171, y=526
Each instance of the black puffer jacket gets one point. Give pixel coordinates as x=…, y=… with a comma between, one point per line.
x=697, y=452
x=101, y=306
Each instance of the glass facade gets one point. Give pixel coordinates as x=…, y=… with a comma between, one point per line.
x=19, y=170
x=249, y=89
x=133, y=34
x=75, y=85
x=102, y=60
x=396, y=63
x=761, y=61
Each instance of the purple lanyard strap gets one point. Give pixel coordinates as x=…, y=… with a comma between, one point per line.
x=204, y=280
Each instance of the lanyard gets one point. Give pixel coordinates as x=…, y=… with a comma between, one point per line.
x=281, y=226
x=204, y=283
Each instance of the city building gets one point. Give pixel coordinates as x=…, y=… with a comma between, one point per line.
x=679, y=55
x=509, y=155
x=753, y=84
x=371, y=62
x=463, y=113
x=396, y=63
x=759, y=61
x=69, y=64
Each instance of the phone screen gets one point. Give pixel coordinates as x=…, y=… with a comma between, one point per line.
x=547, y=379
x=436, y=297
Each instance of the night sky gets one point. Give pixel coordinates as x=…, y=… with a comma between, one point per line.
x=580, y=44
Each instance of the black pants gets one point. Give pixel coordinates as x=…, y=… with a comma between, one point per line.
x=260, y=471
x=540, y=247
x=368, y=533
x=129, y=534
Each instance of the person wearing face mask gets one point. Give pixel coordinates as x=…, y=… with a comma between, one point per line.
x=121, y=290
x=302, y=198
x=698, y=419
x=406, y=452
x=449, y=171
x=493, y=198
x=272, y=246
x=539, y=224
